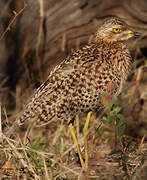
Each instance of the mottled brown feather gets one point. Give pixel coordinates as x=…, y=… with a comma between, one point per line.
x=75, y=84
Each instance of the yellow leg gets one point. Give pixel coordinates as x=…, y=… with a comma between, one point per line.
x=85, y=139
x=76, y=143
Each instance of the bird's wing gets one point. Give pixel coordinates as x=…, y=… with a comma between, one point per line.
x=47, y=89
x=45, y=99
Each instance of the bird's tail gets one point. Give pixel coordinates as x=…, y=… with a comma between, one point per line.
x=25, y=115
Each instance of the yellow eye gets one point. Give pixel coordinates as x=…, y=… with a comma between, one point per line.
x=116, y=30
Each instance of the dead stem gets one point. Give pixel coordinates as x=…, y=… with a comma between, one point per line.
x=12, y=21
x=39, y=40
x=1, y=134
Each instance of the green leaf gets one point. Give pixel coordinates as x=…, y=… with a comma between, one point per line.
x=117, y=110
x=121, y=118
x=120, y=125
x=101, y=95
x=120, y=130
x=110, y=105
x=105, y=120
x=35, y=144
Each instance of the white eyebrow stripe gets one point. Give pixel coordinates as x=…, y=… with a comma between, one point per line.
x=116, y=26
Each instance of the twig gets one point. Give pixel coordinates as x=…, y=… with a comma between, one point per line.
x=12, y=21
x=15, y=151
x=25, y=51
x=45, y=170
x=141, y=145
x=1, y=134
x=123, y=150
x=39, y=39
x=29, y=165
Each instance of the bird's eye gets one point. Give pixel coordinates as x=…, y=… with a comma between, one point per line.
x=116, y=30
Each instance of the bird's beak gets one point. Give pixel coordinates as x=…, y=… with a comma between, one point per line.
x=137, y=34
x=132, y=33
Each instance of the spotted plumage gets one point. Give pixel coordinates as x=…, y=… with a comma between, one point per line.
x=75, y=84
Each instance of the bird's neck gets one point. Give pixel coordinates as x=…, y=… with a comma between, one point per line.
x=108, y=42
x=121, y=58
x=123, y=62
x=117, y=54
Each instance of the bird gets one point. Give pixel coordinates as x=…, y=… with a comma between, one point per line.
x=74, y=86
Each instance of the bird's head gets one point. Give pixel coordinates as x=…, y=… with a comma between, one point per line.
x=115, y=30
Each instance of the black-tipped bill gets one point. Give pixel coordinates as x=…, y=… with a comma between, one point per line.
x=137, y=34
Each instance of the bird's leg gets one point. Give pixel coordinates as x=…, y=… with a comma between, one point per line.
x=85, y=139
x=71, y=128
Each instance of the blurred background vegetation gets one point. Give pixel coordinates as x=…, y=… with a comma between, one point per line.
x=34, y=37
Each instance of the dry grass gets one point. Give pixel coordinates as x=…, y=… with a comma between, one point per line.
x=49, y=153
